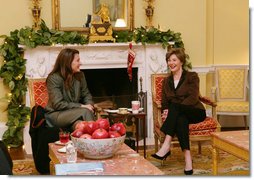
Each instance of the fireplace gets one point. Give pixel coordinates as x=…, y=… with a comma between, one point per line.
x=111, y=88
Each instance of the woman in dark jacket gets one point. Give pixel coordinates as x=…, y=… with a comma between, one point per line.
x=69, y=98
x=180, y=98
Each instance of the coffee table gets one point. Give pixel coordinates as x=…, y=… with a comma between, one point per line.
x=137, y=117
x=126, y=161
x=233, y=142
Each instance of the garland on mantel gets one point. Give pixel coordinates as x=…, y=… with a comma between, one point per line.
x=13, y=68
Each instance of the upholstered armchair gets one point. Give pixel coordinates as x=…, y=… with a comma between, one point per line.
x=38, y=94
x=230, y=92
x=198, y=132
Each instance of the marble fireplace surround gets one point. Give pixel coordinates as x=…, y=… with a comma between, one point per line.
x=149, y=59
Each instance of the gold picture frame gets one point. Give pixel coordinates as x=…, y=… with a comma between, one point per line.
x=61, y=10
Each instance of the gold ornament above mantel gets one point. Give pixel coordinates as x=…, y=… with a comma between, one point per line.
x=36, y=12
x=149, y=13
x=101, y=28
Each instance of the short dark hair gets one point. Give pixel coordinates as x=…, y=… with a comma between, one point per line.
x=180, y=54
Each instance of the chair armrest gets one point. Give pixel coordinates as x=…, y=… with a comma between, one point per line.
x=207, y=100
x=97, y=110
x=213, y=93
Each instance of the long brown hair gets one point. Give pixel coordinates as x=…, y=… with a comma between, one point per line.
x=63, y=66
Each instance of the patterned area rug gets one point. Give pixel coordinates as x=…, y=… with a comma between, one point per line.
x=229, y=165
x=24, y=167
x=202, y=163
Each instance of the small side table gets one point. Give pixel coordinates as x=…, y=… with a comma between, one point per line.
x=138, y=117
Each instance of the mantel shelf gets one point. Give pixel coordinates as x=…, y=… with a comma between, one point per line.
x=95, y=45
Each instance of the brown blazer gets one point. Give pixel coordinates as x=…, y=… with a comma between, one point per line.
x=186, y=92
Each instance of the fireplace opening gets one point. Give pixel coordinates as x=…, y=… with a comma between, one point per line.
x=111, y=88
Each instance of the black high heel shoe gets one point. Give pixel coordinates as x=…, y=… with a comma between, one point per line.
x=161, y=157
x=189, y=172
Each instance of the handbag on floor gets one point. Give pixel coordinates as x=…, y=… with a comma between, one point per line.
x=41, y=135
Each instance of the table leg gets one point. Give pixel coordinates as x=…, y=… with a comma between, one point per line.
x=52, y=168
x=215, y=161
x=137, y=131
x=144, y=134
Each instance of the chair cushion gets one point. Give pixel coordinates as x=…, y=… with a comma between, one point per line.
x=206, y=132
x=203, y=128
x=233, y=106
x=40, y=93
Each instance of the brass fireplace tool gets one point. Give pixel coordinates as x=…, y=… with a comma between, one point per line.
x=142, y=96
x=36, y=12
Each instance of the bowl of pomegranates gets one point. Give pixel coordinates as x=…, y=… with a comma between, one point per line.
x=97, y=139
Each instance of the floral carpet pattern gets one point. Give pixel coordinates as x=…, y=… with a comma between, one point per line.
x=228, y=165
x=202, y=163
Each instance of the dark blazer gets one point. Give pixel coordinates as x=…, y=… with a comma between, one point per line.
x=62, y=99
x=186, y=92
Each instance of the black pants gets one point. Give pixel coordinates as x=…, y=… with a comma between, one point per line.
x=178, y=120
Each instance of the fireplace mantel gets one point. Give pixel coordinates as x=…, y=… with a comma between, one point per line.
x=149, y=59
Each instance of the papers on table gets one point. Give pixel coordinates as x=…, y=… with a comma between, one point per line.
x=79, y=168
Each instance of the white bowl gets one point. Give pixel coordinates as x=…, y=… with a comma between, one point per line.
x=98, y=148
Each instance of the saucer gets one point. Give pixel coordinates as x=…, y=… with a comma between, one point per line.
x=111, y=111
x=123, y=113
x=140, y=109
x=61, y=144
x=62, y=150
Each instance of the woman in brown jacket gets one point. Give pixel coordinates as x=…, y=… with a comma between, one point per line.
x=69, y=98
x=180, y=98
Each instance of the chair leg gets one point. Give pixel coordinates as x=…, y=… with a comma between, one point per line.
x=156, y=143
x=199, y=147
x=218, y=118
x=245, y=122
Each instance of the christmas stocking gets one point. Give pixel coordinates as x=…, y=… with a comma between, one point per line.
x=131, y=58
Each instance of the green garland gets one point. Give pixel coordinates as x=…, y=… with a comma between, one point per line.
x=150, y=36
x=14, y=66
